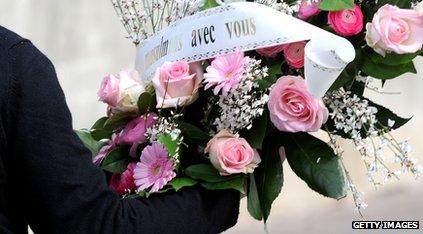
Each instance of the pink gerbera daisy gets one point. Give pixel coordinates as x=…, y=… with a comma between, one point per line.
x=225, y=72
x=155, y=168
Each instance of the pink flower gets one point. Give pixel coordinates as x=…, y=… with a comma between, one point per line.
x=270, y=52
x=121, y=92
x=177, y=83
x=231, y=154
x=123, y=183
x=395, y=29
x=155, y=168
x=293, y=109
x=225, y=72
x=308, y=9
x=111, y=144
x=135, y=131
x=346, y=22
x=109, y=90
x=294, y=54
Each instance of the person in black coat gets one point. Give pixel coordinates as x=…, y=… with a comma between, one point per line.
x=47, y=179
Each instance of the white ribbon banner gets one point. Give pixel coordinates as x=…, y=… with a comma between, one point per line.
x=243, y=26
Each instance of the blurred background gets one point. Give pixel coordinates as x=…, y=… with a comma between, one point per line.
x=85, y=41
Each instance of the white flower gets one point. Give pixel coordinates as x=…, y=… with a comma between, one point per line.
x=391, y=123
x=243, y=104
x=353, y=116
x=419, y=7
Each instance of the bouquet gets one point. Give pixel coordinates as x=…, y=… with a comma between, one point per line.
x=230, y=121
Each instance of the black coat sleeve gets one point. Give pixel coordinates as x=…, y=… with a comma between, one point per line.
x=65, y=192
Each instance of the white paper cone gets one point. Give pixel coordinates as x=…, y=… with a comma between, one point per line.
x=325, y=58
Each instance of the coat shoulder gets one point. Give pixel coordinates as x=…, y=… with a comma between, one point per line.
x=9, y=39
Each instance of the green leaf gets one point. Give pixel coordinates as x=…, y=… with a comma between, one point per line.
x=357, y=87
x=315, y=162
x=99, y=124
x=101, y=134
x=116, y=160
x=275, y=69
x=98, y=132
x=170, y=145
x=264, y=84
x=144, y=102
x=384, y=114
x=268, y=176
x=206, y=172
x=368, y=13
x=117, y=120
x=290, y=2
x=385, y=72
x=253, y=202
x=209, y=4
x=236, y=183
x=89, y=142
x=193, y=132
x=336, y=5
x=256, y=134
x=393, y=59
x=182, y=182
x=406, y=4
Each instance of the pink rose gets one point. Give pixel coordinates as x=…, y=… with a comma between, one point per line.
x=177, y=83
x=395, y=29
x=293, y=109
x=346, y=22
x=231, y=154
x=308, y=9
x=294, y=54
x=270, y=52
x=109, y=90
x=121, y=92
x=135, y=131
x=124, y=183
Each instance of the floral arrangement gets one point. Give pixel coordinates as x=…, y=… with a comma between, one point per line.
x=230, y=122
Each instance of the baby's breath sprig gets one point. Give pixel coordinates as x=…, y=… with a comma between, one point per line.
x=142, y=18
x=167, y=125
x=359, y=204
x=244, y=103
x=414, y=3
x=353, y=115
x=281, y=6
